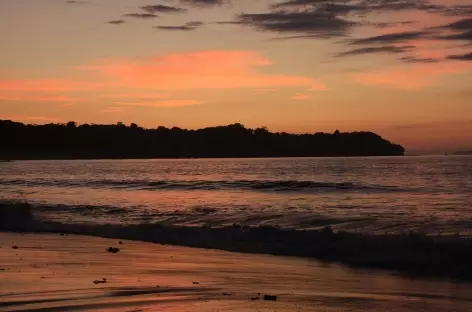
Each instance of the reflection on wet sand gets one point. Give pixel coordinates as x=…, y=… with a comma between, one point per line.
x=56, y=273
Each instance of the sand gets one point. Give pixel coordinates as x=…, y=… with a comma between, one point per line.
x=50, y=272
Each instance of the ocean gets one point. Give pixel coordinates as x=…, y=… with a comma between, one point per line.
x=432, y=195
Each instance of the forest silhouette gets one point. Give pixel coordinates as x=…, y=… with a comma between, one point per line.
x=92, y=141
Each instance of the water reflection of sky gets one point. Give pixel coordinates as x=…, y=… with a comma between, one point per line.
x=375, y=194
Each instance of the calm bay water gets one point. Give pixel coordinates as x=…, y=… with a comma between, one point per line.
x=379, y=195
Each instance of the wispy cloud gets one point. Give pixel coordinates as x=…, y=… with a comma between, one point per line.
x=330, y=19
x=116, y=22
x=352, y=7
x=157, y=104
x=412, y=59
x=113, y=110
x=141, y=15
x=461, y=57
x=389, y=38
x=79, y=2
x=204, y=3
x=302, y=97
x=134, y=82
x=28, y=118
x=36, y=98
x=466, y=35
x=56, y=99
x=186, y=27
x=371, y=50
x=48, y=85
x=461, y=30
x=153, y=9
x=414, y=77
x=463, y=24
x=137, y=96
x=307, y=22
x=214, y=69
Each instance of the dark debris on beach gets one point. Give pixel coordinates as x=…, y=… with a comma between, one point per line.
x=113, y=250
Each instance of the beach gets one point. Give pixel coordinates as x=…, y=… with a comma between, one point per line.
x=56, y=272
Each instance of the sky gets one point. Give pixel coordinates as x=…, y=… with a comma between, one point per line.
x=400, y=68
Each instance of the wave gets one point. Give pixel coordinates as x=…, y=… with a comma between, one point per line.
x=417, y=254
x=376, y=222
x=254, y=185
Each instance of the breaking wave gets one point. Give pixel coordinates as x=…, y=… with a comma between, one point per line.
x=418, y=254
x=243, y=185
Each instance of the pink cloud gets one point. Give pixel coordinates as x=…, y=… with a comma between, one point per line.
x=449, y=2
x=318, y=88
x=434, y=49
x=57, y=99
x=426, y=48
x=130, y=80
x=302, y=97
x=197, y=70
x=25, y=118
x=113, y=109
x=8, y=97
x=13, y=97
x=46, y=85
x=137, y=96
x=263, y=90
x=414, y=77
x=167, y=103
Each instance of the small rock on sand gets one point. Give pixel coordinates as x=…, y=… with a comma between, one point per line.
x=113, y=250
x=270, y=298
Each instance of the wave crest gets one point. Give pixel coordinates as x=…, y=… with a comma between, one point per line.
x=254, y=185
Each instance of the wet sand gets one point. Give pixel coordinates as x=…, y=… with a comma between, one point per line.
x=49, y=272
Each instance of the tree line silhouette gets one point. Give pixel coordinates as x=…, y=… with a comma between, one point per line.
x=92, y=141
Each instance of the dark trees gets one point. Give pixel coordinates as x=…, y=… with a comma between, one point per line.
x=72, y=141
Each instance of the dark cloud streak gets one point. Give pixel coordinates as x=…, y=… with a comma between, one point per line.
x=77, y=2
x=116, y=22
x=186, y=27
x=390, y=38
x=462, y=57
x=464, y=24
x=372, y=50
x=462, y=30
x=152, y=9
x=329, y=18
x=203, y=3
x=460, y=36
x=374, y=6
x=411, y=59
x=308, y=22
x=141, y=15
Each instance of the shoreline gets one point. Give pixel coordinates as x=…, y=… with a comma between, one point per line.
x=9, y=160
x=209, y=158
x=411, y=254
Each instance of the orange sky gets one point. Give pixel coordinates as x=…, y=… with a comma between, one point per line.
x=400, y=68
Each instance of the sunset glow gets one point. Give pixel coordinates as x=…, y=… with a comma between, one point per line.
x=400, y=68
